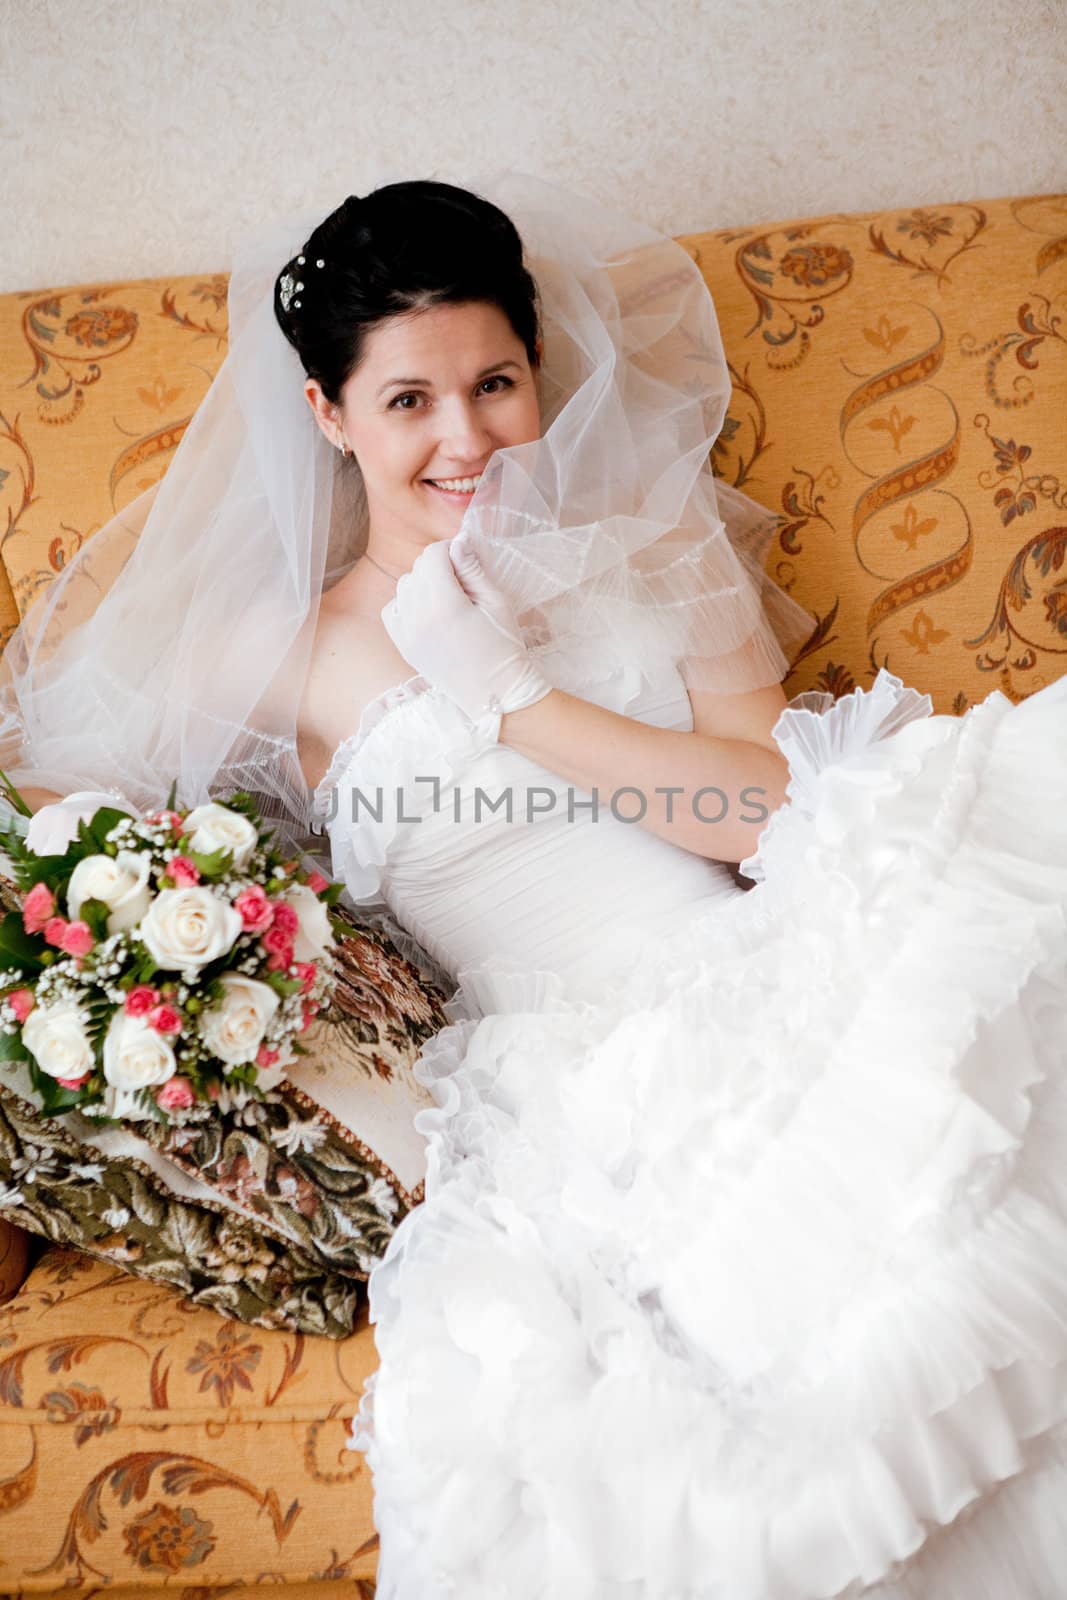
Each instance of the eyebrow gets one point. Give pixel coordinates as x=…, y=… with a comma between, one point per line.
x=497, y=366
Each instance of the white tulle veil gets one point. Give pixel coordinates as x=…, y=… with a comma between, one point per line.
x=174, y=648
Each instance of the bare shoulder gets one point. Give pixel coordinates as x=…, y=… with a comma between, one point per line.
x=353, y=660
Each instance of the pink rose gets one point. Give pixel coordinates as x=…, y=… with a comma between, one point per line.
x=317, y=883
x=165, y=1019
x=72, y=1083
x=77, y=939
x=285, y=919
x=38, y=906
x=280, y=960
x=140, y=1000
x=278, y=942
x=22, y=1002
x=265, y=1057
x=184, y=872
x=307, y=972
x=175, y=1095
x=254, y=909
x=55, y=930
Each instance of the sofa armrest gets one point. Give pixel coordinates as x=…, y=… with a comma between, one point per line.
x=14, y=1259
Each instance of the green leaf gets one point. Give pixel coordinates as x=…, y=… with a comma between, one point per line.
x=12, y=1048
x=213, y=864
x=12, y=846
x=30, y=869
x=284, y=986
x=54, y=1098
x=17, y=947
x=57, y=1100
x=99, y=826
x=243, y=802
x=13, y=795
x=95, y=913
x=142, y=968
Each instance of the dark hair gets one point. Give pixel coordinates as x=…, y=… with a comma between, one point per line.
x=402, y=248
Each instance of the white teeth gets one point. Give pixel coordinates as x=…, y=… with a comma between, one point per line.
x=458, y=485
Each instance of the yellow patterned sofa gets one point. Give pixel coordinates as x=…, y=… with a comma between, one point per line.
x=899, y=401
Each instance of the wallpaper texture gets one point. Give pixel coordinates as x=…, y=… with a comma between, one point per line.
x=142, y=140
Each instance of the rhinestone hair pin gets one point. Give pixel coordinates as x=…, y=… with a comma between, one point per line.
x=288, y=286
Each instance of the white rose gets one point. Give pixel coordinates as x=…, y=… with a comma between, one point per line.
x=56, y=1035
x=215, y=827
x=314, y=934
x=233, y=1027
x=120, y=881
x=135, y=1055
x=184, y=929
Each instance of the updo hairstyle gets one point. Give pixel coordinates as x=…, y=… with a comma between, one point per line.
x=402, y=248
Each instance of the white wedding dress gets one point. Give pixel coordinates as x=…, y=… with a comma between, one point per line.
x=742, y=1268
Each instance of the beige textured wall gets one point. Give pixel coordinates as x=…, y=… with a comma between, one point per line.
x=141, y=138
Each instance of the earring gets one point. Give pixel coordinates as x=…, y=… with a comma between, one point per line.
x=343, y=447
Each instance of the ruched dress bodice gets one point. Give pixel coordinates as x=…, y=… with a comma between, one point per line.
x=498, y=867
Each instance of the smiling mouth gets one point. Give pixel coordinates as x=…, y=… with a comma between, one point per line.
x=459, y=488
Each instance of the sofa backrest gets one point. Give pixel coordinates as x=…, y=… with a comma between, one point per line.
x=899, y=403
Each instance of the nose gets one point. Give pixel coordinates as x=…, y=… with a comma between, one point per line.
x=464, y=437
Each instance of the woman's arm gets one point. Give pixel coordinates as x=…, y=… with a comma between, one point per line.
x=708, y=793
x=742, y=782
x=36, y=798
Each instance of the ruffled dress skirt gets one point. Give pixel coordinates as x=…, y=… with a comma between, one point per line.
x=749, y=1281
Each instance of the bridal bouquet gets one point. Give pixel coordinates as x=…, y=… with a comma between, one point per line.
x=161, y=966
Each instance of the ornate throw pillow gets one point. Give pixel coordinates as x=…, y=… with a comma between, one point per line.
x=274, y=1213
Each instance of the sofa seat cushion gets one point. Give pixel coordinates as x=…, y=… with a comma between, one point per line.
x=144, y=1441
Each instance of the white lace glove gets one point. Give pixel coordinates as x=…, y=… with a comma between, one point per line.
x=451, y=625
x=50, y=830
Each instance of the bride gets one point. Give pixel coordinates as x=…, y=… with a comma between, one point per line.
x=741, y=1269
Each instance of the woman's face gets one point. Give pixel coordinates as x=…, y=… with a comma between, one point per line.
x=437, y=391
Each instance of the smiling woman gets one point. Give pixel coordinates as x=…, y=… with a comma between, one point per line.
x=418, y=327
x=442, y=290
x=435, y=433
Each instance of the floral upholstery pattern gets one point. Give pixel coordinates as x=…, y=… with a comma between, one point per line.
x=899, y=389
x=146, y=1442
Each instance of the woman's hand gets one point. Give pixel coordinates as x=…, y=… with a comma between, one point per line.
x=457, y=630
